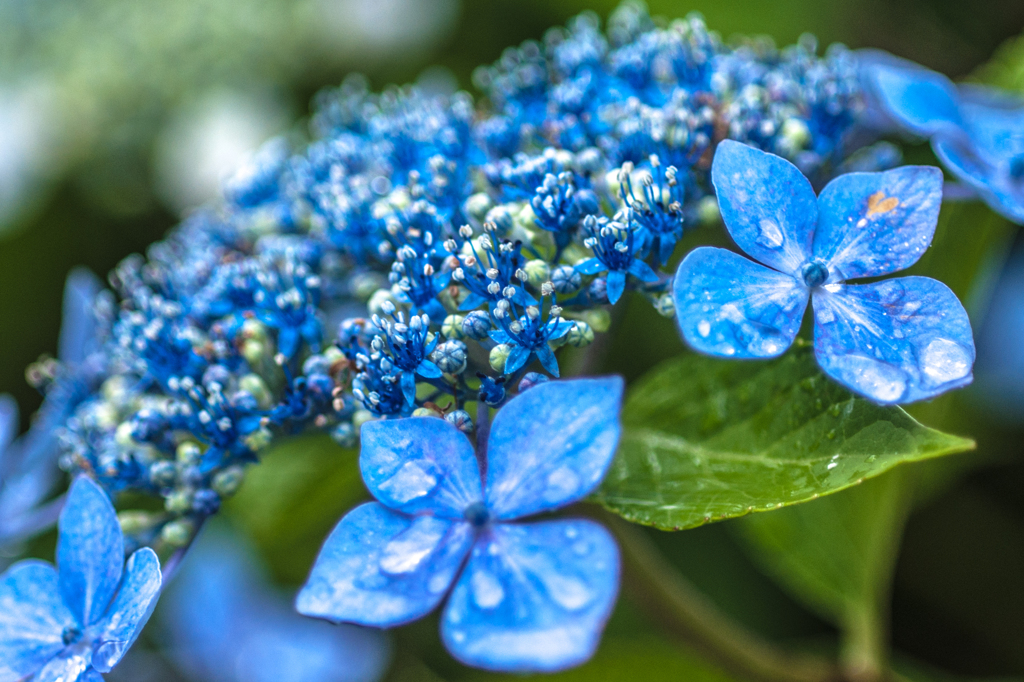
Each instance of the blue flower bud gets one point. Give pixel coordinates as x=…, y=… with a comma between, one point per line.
x=450, y=357
x=461, y=420
x=531, y=379
x=566, y=279
x=476, y=325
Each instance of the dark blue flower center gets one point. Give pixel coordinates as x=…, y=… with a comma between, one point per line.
x=815, y=273
x=70, y=635
x=477, y=514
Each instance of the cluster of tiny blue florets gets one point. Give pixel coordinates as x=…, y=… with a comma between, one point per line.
x=423, y=253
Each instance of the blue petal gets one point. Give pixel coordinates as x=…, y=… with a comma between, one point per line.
x=533, y=597
x=90, y=551
x=517, y=357
x=591, y=266
x=728, y=305
x=894, y=341
x=420, y=464
x=8, y=424
x=920, y=101
x=548, y=360
x=767, y=204
x=287, y=341
x=616, y=285
x=499, y=336
x=69, y=666
x=91, y=676
x=408, y=384
x=428, y=369
x=78, y=324
x=32, y=619
x=130, y=610
x=472, y=301
x=558, y=329
x=552, y=445
x=874, y=224
x=642, y=271
x=988, y=175
x=382, y=568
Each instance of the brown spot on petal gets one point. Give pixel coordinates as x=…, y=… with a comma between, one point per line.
x=878, y=203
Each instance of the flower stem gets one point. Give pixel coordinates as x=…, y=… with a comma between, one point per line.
x=680, y=606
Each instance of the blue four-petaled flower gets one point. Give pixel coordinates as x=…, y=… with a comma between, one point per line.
x=79, y=620
x=532, y=596
x=893, y=341
x=976, y=131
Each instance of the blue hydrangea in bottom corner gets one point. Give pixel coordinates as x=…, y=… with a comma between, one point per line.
x=527, y=596
x=77, y=621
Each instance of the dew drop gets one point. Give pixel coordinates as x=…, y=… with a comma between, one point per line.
x=487, y=591
x=704, y=328
x=581, y=548
x=561, y=483
x=945, y=360
x=413, y=480
x=438, y=583
x=825, y=315
x=881, y=381
x=406, y=552
x=569, y=593
x=769, y=235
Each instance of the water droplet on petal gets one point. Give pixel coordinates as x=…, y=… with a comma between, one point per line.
x=563, y=482
x=487, y=590
x=413, y=479
x=704, y=328
x=569, y=593
x=879, y=380
x=407, y=551
x=944, y=360
x=769, y=235
x=581, y=548
x=438, y=583
x=825, y=315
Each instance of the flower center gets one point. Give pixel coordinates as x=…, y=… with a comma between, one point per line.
x=70, y=635
x=814, y=273
x=477, y=514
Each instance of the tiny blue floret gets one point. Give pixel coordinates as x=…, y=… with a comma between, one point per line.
x=526, y=596
x=893, y=341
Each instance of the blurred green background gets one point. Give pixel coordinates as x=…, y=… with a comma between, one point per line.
x=117, y=115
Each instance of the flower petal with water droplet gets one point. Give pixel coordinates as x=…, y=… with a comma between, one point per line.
x=531, y=601
x=552, y=445
x=382, y=568
x=420, y=464
x=895, y=341
x=767, y=204
x=730, y=306
x=874, y=224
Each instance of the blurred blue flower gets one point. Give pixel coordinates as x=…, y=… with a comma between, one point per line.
x=893, y=341
x=77, y=621
x=976, y=131
x=532, y=596
x=226, y=624
x=28, y=465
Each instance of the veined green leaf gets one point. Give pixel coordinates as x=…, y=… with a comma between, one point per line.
x=708, y=439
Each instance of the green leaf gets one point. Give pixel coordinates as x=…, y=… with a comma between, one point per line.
x=708, y=439
x=293, y=497
x=837, y=555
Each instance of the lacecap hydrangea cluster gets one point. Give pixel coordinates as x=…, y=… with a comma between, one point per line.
x=423, y=251
x=424, y=256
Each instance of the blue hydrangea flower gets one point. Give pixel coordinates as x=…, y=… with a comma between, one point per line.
x=532, y=596
x=894, y=341
x=77, y=621
x=28, y=465
x=226, y=624
x=977, y=132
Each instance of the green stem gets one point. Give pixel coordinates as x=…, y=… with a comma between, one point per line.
x=680, y=606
